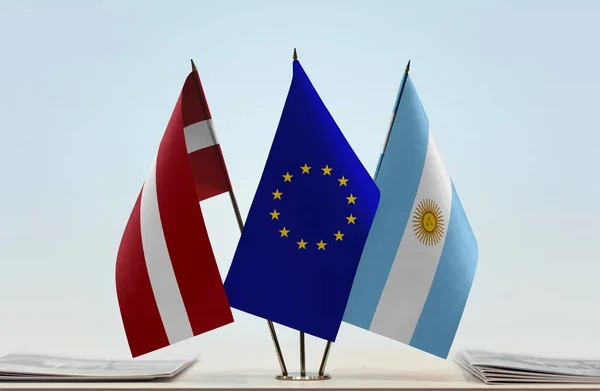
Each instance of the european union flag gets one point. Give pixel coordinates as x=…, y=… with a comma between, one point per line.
x=308, y=223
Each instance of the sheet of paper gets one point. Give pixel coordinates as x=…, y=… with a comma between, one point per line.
x=30, y=366
x=494, y=368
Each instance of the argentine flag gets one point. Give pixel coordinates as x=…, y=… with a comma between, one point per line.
x=420, y=257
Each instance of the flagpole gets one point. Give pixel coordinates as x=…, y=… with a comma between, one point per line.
x=302, y=342
x=302, y=355
x=396, y=105
x=302, y=346
x=387, y=137
x=240, y=222
x=324, y=359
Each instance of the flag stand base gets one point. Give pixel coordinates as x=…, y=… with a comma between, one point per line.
x=298, y=377
x=303, y=375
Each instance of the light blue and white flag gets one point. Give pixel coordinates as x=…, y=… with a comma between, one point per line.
x=420, y=257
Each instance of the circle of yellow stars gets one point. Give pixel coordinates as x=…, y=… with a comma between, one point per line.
x=321, y=245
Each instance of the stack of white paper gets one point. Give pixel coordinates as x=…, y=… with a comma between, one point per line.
x=497, y=368
x=35, y=367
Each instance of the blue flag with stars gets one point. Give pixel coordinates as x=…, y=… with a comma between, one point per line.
x=305, y=232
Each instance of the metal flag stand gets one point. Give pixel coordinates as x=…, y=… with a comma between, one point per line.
x=303, y=375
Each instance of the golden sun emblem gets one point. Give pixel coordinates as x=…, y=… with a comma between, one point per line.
x=428, y=222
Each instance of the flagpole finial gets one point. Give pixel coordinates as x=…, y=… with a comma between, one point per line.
x=193, y=65
x=295, y=54
x=408, y=66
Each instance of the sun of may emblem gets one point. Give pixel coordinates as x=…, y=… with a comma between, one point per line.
x=428, y=222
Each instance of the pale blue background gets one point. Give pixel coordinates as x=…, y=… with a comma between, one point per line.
x=511, y=89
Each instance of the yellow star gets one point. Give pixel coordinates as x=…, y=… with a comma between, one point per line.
x=327, y=170
x=284, y=232
x=277, y=195
x=338, y=236
x=350, y=219
x=305, y=168
x=287, y=177
x=343, y=181
x=351, y=199
x=301, y=244
x=274, y=214
x=321, y=245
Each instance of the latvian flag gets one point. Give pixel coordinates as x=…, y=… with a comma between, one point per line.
x=168, y=284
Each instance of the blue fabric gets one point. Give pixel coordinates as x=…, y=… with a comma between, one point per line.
x=450, y=288
x=274, y=275
x=398, y=176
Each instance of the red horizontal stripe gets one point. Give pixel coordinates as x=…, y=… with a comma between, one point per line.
x=195, y=107
x=209, y=172
x=142, y=322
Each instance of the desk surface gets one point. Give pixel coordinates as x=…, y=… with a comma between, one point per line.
x=351, y=369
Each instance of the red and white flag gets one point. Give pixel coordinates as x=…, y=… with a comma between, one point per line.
x=168, y=284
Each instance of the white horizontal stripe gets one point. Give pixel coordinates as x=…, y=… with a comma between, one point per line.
x=199, y=135
x=158, y=262
x=415, y=264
